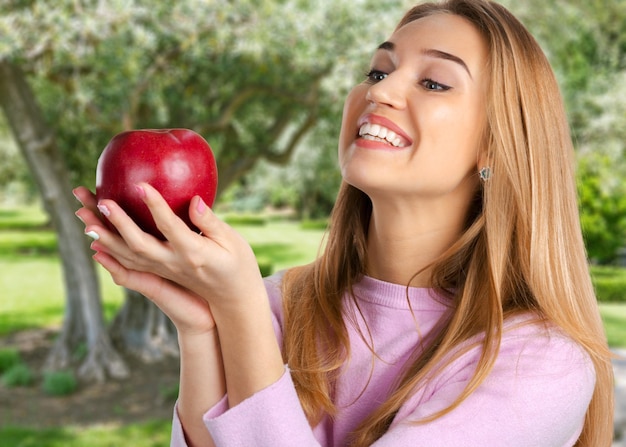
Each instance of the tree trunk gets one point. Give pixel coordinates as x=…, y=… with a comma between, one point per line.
x=83, y=321
x=141, y=329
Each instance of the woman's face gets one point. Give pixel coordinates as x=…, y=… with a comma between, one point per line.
x=415, y=126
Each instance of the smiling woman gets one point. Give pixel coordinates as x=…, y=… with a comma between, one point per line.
x=451, y=303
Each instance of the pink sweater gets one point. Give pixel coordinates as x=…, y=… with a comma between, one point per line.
x=536, y=395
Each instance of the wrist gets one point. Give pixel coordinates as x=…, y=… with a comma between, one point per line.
x=192, y=339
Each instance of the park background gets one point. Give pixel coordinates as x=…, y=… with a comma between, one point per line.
x=84, y=362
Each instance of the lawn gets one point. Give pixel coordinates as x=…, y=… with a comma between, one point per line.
x=32, y=290
x=147, y=434
x=31, y=277
x=32, y=296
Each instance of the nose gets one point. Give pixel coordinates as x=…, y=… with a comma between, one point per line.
x=389, y=92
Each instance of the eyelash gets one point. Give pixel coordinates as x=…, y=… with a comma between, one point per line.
x=374, y=75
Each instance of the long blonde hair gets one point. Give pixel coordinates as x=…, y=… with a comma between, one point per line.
x=522, y=248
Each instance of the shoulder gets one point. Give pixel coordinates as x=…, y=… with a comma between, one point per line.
x=530, y=351
x=541, y=348
x=539, y=388
x=538, y=369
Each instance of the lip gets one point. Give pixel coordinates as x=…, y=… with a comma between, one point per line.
x=385, y=122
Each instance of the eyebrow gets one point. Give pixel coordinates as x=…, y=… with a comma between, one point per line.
x=390, y=46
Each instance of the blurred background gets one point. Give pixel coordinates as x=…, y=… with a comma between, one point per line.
x=83, y=362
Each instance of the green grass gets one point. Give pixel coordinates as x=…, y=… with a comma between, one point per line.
x=32, y=296
x=23, y=218
x=31, y=277
x=614, y=317
x=146, y=434
x=32, y=287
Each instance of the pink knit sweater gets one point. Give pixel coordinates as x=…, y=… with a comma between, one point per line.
x=536, y=395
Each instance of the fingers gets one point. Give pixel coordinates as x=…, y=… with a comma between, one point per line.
x=187, y=310
x=89, y=213
x=132, y=247
x=85, y=197
x=169, y=224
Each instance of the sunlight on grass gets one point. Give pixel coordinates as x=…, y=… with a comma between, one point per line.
x=146, y=434
x=284, y=243
x=22, y=218
x=33, y=293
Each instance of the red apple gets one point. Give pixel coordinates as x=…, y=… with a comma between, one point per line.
x=178, y=163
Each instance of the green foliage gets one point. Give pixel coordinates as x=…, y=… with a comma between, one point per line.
x=602, y=193
x=9, y=357
x=253, y=77
x=18, y=375
x=59, y=383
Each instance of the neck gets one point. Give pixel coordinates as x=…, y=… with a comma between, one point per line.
x=403, y=242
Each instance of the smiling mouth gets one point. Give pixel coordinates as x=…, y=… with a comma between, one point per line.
x=376, y=132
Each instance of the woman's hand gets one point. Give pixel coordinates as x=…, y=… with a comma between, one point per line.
x=217, y=265
x=189, y=312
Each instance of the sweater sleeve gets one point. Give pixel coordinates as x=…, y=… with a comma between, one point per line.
x=536, y=396
x=272, y=417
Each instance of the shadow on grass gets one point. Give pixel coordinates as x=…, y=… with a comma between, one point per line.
x=18, y=321
x=26, y=437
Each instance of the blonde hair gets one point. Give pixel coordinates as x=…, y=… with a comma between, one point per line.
x=522, y=248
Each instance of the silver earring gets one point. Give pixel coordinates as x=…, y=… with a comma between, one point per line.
x=484, y=173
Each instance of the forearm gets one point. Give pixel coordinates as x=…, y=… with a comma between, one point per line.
x=202, y=384
x=251, y=355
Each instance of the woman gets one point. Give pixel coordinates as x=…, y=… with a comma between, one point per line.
x=452, y=304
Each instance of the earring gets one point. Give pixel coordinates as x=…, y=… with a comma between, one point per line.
x=484, y=173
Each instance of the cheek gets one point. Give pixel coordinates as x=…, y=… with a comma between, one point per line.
x=353, y=108
x=459, y=132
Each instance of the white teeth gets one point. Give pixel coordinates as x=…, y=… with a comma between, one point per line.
x=377, y=132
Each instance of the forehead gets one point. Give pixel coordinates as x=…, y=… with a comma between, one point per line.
x=444, y=32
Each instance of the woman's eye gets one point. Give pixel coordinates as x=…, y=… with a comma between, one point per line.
x=429, y=84
x=375, y=76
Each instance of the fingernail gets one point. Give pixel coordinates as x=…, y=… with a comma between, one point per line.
x=104, y=210
x=79, y=218
x=74, y=194
x=140, y=191
x=92, y=234
x=200, y=206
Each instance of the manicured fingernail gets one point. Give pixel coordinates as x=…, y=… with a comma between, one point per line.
x=140, y=191
x=104, y=210
x=79, y=218
x=92, y=234
x=200, y=206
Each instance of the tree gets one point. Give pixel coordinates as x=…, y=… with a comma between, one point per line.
x=253, y=77
x=38, y=146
